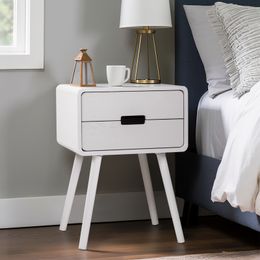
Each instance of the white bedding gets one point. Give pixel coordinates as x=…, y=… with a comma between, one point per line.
x=229, y=129
x=215, y=118
x=237, y=179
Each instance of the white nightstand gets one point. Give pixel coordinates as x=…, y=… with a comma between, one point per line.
x=132, y=119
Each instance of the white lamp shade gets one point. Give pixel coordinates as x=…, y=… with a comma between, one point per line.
x=140, y=13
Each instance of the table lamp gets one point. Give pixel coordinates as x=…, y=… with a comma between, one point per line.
x=145, y=16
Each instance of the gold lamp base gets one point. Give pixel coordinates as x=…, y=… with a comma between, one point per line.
x=146, y=38
x=145, y=81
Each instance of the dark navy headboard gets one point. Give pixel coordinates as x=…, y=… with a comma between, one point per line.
x=189, y=70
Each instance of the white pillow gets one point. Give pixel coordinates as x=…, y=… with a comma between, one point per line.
x=242, y=28
x=206, y=41
x=223, y=40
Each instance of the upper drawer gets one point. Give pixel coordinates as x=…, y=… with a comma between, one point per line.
x=102, y=106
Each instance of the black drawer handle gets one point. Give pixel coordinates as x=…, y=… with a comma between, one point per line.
x=132, y=120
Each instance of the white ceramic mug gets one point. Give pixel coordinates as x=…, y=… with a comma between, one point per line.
x=117, y=75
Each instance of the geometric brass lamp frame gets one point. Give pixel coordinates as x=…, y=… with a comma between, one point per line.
x=146, y=37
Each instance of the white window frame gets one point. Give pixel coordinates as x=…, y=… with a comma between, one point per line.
x=27, y=52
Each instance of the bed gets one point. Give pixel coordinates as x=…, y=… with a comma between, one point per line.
x=194, y=180
x=215, y=120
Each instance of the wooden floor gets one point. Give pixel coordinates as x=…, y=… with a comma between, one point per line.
x=126, y=240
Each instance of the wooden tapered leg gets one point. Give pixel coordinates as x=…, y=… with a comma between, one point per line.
x=167, y=182
x=148, y=188
x=90, y=199
x=71, y=191
x=190, y=214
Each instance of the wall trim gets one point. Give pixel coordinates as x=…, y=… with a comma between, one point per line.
x=45, y=211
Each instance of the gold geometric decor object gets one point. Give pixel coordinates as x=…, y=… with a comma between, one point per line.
x=83, y=71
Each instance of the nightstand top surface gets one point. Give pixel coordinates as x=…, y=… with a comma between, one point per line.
x=125, y=87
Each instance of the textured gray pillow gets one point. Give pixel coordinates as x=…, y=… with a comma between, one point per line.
x=241, y=43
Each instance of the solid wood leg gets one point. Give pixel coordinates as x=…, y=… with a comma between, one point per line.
x=148, y=188
x=167, y=182
x=71, y=191
x=190, y=214
x=186, y=213
x=90, y=199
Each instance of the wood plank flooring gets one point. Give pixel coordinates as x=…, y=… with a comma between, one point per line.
x=126, y=240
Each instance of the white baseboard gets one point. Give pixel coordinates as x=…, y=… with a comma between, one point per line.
x=44, y=211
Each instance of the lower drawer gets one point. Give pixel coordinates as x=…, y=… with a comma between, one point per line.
x=103, y=136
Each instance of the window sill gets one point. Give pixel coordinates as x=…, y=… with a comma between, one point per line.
x=34, y=57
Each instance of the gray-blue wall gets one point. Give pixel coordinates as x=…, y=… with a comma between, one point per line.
x=31, y=162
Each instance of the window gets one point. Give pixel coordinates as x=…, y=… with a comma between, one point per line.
x=21, y=34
